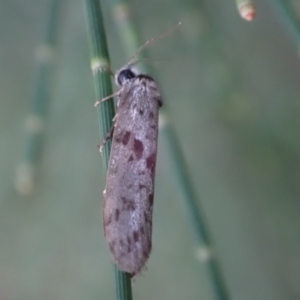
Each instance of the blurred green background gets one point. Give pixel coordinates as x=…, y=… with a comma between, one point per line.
x=232, y=90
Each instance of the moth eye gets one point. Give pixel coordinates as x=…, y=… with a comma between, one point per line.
x=124, y=76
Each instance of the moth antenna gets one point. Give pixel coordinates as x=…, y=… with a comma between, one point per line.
x=158, y=37
x=146, y=60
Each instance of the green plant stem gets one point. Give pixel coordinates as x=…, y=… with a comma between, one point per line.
x=131, y=42
x=35, y=121
x=290, y=18
x=196, y=219
x=102, y=82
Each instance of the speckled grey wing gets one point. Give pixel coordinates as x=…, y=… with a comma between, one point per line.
x=130, y=178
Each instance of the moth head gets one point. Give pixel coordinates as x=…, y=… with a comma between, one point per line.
x=125, y=75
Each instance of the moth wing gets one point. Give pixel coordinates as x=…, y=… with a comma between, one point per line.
x=130, y=178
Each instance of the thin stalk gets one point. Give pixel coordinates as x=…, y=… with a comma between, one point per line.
x=36, y=119
x=290, y=18
x=195, y=214
x=99, y=64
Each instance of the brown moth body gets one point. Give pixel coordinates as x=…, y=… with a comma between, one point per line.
x=129, y=191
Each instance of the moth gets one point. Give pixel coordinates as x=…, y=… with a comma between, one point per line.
x=129, y=190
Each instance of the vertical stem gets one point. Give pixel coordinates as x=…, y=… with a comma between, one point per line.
x=35, y=121
x=123, y=285
x=194, y=213
x=99, y=65
x=289, y=16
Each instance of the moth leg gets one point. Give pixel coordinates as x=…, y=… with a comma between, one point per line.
x=109, y=134
x=107, y=137
x=108, y=97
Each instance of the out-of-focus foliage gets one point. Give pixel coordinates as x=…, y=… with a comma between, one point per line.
x=232, y=89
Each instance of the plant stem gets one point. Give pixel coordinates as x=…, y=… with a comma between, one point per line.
x=99, y=65
x=35, y=121
x=289, y=16
x=129, y=37
x=194, y=215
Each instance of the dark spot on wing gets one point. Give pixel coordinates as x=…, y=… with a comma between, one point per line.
x=151, y=115
x=126, y=138
x=151, y=163
x=117, y=215
x=130, y=158
x=128, y=204
x=131, y=206
x=150, y=245
x=135, y=236
x=150, y=199
x=108, y=220
x=146, y=217
x=142, y=230
x=158, y=99
x=142, y=186
x=141, y=112
x=138, y=148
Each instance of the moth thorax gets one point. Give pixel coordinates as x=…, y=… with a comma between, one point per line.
x=124, y=76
